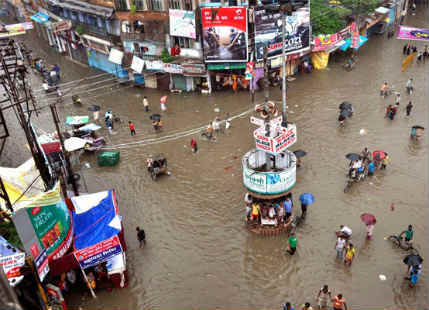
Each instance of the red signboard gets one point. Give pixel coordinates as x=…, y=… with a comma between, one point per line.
x=99, y=252
x=224, y=34
x=275, y=145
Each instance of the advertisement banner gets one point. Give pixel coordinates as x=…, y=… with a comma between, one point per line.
x=224, y=34
x=172, y=68
x=42, y=265
x=323, y=42
x=12, y=264
x=137, y=64
x=13, y=30
x=99, y=252
x=411, y=33
x=194, y=69
x=182, y=24
x=268, y=32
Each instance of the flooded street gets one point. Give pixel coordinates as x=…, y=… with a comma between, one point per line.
x=199, y=253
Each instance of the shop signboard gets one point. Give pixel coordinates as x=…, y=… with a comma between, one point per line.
x=275, y=145
x=182, y=23
x=268, y=32
x=257, y=121
x=224, y=34
x=193, y=69
x=324, y=42
x=61, y=26
x=154, y=65
x=172, y=68
x=99, y=252
x=269, y=183
x=42, y=265
x=11, y=265
x=45, y=227
x=411, y=33
x=249, y=70
x=137, y=64
x=13, y=30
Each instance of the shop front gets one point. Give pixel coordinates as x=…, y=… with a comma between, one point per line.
x=225, y=76
x=197, y=77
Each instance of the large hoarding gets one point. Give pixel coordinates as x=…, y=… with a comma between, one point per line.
x=224, y=34
x=268, y=32
x=411, y=33
x=182, y=23
x=45, y=227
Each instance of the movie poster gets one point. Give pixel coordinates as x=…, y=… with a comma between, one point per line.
x=224, y=34
x=268, y=32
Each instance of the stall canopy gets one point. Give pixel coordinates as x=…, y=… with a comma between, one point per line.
x=40, y=18
x=97, y=224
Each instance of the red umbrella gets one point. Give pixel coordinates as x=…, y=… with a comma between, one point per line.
x=379, y=155
x=368, y=219
x=163, y=99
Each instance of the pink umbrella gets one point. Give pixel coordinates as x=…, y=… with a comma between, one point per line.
x=163, y=99
x=368, y=218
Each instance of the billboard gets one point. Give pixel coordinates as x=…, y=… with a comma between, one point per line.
x=268, y=32
x=45, y=227
x=182, y=24
x=224, y=34
x=411, y=33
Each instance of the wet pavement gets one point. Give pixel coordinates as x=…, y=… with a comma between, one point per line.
x=199, y=253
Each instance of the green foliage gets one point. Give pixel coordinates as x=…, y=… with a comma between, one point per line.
x=166, y=57
x=80, y=29
x=133, y=9
x=327, y=19
x=8, y=231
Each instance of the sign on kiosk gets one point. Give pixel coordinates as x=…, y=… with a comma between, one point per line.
x=99, y=252
x=275, y=145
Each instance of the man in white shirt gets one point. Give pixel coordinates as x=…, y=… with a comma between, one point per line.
x=345, y=231
x=339, y=247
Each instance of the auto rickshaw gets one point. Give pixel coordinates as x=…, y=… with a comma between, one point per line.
x=157, y=165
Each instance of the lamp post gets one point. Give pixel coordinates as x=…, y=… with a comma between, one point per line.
x=284, y=9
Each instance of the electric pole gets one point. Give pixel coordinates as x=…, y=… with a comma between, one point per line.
x=283, y=9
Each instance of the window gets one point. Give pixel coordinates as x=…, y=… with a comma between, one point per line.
x=182, y=42
x=65, y=13
x=188, y=5
x=73, y=15
x=139, y=5
x=100, y=22
x=154, y=5
x=91, y=20
x=174, y=4
x=121, y=5
x=81, y=17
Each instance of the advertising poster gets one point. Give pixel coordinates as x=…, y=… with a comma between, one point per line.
x=182, y=24
x=411, y=33
x=42, y=266
x=268, y=32
x=99, y=252
x=224, y=34
x=12, y=264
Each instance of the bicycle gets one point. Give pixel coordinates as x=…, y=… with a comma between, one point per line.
x=400, y=242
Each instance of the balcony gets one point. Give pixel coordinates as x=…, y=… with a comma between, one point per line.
x=91, y=29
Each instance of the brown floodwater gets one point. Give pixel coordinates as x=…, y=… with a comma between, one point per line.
x=199, y=253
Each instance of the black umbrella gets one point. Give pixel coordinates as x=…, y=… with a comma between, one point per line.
x=345, y=113
x=418, y=127
x=300, y=153
x=353, y=156
x=94, y=108
x=155, y=117
x=413, y=260
x=345, y=106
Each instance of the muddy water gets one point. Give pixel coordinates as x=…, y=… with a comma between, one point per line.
x=199, y=254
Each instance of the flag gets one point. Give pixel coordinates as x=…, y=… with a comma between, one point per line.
x=408, y=60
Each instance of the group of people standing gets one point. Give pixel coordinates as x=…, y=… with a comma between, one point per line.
x=421, y=55
x=323, y=298
x=392, y=109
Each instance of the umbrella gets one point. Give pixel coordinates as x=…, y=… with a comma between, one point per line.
x=353, y=156
x=368, y=219
x=413, y=260
x=163, y=99
x=94, y=108
x=418, y=127
x=379, y=155
x=74, y=143
x=155, y=117
x=76, y=120
x=90, y=127
x=300, y=153
x=345, y=106
x=306, y=199
x=345, y=113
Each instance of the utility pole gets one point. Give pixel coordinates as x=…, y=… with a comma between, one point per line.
x=70, y=178
x=284, y=122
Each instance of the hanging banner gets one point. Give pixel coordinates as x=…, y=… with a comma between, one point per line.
x=224, y=34
x=154, y=65
x=116, y=56
x=13, y=30
x=137, y=64
x=268, y=32
x=182, y=23
x=61, y=26
x=11, y=265
x=98, y=253
x=324, y=42
x=411, y=33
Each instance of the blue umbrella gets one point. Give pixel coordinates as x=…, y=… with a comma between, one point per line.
x=306, y=199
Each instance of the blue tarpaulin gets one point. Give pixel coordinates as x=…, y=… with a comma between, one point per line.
x=348, y=42
x=40, y=17
x=99, y=221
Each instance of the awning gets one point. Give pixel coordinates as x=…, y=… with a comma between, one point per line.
x=348, y=42
x=40, y=18
x=85, y=7
x=142, y=16
x=226, y=66
x=97, y=40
